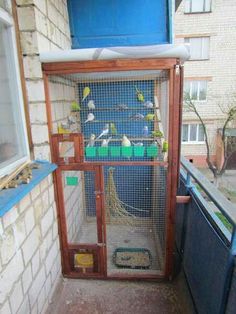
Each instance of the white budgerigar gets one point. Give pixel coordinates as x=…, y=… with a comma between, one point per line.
x=91, y=105
x=91, y=140
x=90, y=117
x=125, y=141
x=105, y=142
x=105, y=131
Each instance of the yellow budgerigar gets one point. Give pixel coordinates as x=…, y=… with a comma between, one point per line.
x=86, y=92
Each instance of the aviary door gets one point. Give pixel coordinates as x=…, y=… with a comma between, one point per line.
x=84, y=252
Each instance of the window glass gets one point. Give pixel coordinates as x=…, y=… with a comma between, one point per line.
x=184, y=132
x=202, y=90
x=193, y=132
x=12, y=135
x=199, y=47
x=197, y=5
x=207, y=5
x=201, y=136
x=194, y=90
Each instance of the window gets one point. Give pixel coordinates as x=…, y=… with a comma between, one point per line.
x=197, y=90
x=13, y=137
x=192, y=133
x=199, y=47
x=197, y=6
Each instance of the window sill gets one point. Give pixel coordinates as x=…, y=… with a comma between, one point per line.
x=192, y=143
x=10, y=197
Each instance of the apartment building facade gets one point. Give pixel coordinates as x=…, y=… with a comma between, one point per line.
x=209, y=27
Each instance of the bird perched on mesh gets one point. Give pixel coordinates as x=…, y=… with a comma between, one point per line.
x=125, y=141
x=137, y=117
x=105, y=142
x=148, y=104
x=150, y=117
x=91, y=105
x=113, y=128
x=86, y=92
x=90, y=117
x=91, y=140
x=139, y=94
x=145, y=131
x=105, y=131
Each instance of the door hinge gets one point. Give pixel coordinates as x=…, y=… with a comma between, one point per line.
x=177, y=69
x=101, y=244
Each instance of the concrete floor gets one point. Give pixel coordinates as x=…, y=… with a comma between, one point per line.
x=80, y=296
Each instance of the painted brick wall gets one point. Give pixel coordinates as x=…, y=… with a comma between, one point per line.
x=30, y=263
x=220, y=25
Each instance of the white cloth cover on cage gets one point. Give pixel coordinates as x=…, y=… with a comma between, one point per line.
x=155, y=51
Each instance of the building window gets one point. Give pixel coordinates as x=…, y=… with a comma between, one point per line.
x=13, y=136
x=197, y=6
x=196, y=90
x=199, y=47
x=192, y=133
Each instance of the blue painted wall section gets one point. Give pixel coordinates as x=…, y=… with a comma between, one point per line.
x=106, y=23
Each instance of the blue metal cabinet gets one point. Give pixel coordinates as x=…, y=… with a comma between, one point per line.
x=105, y=23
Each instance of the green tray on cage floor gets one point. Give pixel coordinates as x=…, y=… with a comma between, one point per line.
x=90, y=151
x=134, y=258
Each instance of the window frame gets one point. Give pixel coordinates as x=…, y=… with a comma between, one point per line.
x=198, y=89
x=187, y=41
x=7, y=20
x=197, y=12
x=197, y=134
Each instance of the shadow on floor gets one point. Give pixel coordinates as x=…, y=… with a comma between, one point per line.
x=121, y=297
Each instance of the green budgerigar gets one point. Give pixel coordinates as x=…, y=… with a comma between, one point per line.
x=86, y=92
x=75, y=106
x=150, y=117
x=165, y=147
x=140, y=95
x=157, y=134
x=113, y=128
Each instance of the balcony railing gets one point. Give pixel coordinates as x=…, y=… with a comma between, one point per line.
x=206, y=242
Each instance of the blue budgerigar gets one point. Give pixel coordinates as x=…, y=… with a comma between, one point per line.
x=145, y=131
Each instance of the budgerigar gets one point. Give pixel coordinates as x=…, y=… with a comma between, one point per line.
x=62, y=130
x=145, y=131
x=139, y=144
x=91, y=105
x=165, y=147
x=86, y=92
x=125, y=141
x=105, y=142
x=148, y=104
x=74, y=106
x=105, y=131
x=90, y=117
x=150, y=117
x=113, y=128
x=157, y=133
x=139, y=94
x=137, y=117
x=91, y=140
x=71, y=120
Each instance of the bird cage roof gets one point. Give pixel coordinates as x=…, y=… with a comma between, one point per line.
x=154, y=51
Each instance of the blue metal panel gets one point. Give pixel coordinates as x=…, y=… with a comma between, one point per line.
x=205, y=261
x=10, y=197
x=105, y=23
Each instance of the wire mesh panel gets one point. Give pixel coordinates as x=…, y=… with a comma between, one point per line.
x=80, y=206
x=135, y=219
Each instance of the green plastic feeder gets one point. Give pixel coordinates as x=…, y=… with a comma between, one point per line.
x=102, y=151
x=127, y=151
x=152, y=151
x=90, y=151
x=114, y=151
x=139, y=151
x=72, y=181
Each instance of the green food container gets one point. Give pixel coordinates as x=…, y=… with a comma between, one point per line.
x=139, y=151
x=127, y=151
x=102, y=151
x=90, y=151
x=152, y=151
x=72, y=181
x=115, y=151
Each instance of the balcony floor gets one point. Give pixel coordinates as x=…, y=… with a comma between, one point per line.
x=78, y=296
